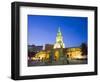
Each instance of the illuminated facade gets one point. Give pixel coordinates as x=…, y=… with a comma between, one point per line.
x=57, y=51
x=59, y=40
x=42, y=55
x=74, y=53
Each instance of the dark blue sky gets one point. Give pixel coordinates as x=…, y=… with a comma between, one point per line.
x=43, y=29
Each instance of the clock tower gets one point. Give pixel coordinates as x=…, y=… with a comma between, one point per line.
x=59, y=40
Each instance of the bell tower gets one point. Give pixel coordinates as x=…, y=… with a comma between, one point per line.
x=59, y=40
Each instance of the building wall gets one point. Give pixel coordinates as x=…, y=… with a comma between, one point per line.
x=73, y=53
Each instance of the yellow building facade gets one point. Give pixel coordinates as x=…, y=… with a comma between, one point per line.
x=74, y=53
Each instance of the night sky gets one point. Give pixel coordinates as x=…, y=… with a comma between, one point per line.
x=43, y=29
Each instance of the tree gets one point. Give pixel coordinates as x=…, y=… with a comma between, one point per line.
x=84, y=49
